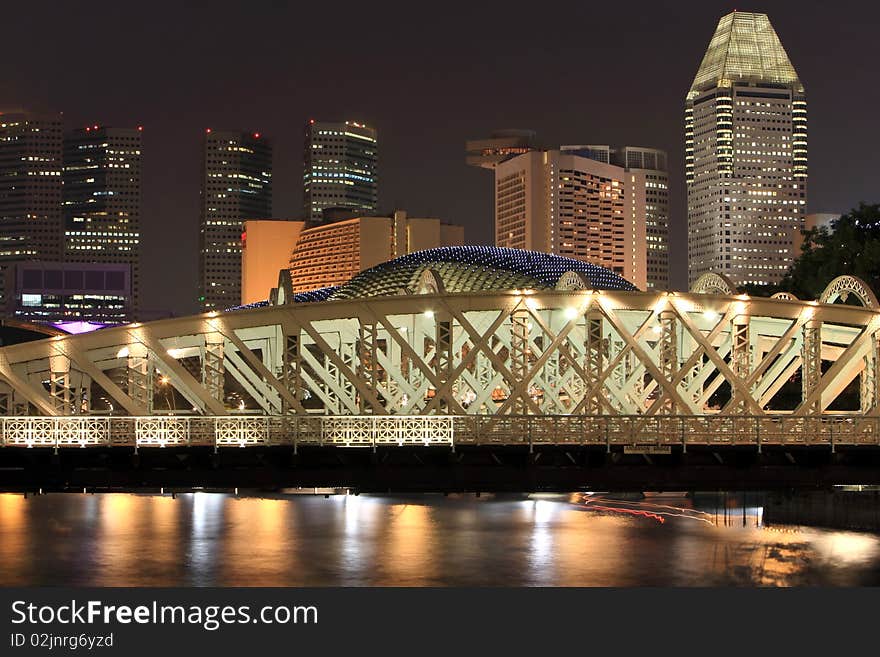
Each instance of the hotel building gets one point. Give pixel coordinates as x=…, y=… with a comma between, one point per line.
x=576, y=202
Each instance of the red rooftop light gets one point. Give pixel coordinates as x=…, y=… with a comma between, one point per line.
x=256, y=135
x=208, y=130
x=140, y=128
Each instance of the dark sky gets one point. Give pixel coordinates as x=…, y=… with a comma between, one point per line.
x=428, y=76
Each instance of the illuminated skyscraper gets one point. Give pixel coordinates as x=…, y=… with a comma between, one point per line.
x=341, y=169
x=236, y=185
x=746, y=154
x=648, y=167
x=30, y=189
x=603, y=205
x=102, y=199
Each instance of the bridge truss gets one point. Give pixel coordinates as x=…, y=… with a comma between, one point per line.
x=508, y=366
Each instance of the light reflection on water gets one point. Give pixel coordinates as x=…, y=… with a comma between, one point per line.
x=578, y=540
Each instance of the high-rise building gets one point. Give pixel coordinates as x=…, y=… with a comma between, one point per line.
x=102, y=199
x=501, y=145
x=746, y=154
x=648, y=166
x=341, y=169
x=30, y=189
x=585, y=203
x=236, y=186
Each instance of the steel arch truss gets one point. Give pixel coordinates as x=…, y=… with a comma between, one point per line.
x=554, y=353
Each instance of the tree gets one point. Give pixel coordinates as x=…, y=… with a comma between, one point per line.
x=852, y=246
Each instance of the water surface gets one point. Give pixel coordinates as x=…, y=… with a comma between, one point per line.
x=220, y=540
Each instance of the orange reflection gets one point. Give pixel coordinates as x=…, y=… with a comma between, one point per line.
x=410, y=544
x=14, y=546
x=259, y=539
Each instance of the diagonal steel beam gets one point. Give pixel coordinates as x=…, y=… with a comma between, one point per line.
x=736, y=383
x=37, y=397
x=180, y=376
x=258, y=365
x=84, y=363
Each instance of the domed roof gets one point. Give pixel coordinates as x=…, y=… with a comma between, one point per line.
x=475, y=269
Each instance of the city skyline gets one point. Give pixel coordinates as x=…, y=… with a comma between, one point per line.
x=422, y=149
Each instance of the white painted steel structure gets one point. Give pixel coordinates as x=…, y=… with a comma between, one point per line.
x=521, y=366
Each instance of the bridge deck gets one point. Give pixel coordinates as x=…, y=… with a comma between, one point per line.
x=437, y=431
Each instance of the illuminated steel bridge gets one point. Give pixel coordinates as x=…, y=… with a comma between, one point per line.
x=445, y=349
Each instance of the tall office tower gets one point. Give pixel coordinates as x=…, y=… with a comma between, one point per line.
x=102, y=199
x=30, y=189
x=236, y=186
x=746, y=155
x=567, y=203
x=341, y=169
x=501, y=145
x=648, y=166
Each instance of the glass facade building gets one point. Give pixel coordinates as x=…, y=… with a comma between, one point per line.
x=746, y=155
x=340, y=169
x=102, y=199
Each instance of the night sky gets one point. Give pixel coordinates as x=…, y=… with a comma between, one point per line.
x=428, y=76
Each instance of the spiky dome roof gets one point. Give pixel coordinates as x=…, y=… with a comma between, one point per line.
x=474, y=269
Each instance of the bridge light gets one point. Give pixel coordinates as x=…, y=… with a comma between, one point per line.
x=657, y=330
x=175, y=353
x=164, y=380
x=531, y=304
x=429, y=314
x=122, y=353
x=571, y=313
x=710, y=315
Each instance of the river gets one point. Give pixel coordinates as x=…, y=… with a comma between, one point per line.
x=204, y=539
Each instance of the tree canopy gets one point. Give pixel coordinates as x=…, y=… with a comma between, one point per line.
x=851, y=246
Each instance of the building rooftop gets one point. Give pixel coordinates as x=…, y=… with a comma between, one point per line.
x=745, y=49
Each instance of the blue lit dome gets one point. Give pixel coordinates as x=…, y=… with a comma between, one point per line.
x=475, y=269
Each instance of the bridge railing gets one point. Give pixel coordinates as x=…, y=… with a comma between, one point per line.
x=435, y=430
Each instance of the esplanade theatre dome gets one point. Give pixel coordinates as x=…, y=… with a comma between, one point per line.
x=474, y=269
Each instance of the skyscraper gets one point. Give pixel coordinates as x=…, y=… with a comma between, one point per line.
x=648, y=166
x=102, y=199
x=30, y=189
x=236, y=185
x=341, y=169
x=569, y=203
x=746, y=154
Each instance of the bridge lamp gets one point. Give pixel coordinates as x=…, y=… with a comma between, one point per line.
x=429, y=314
x=531, y=304
x=122, y=353
x=657, y=330
x=710, y=315
x=571, y=313
x=175, y=353
x=164, y=380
